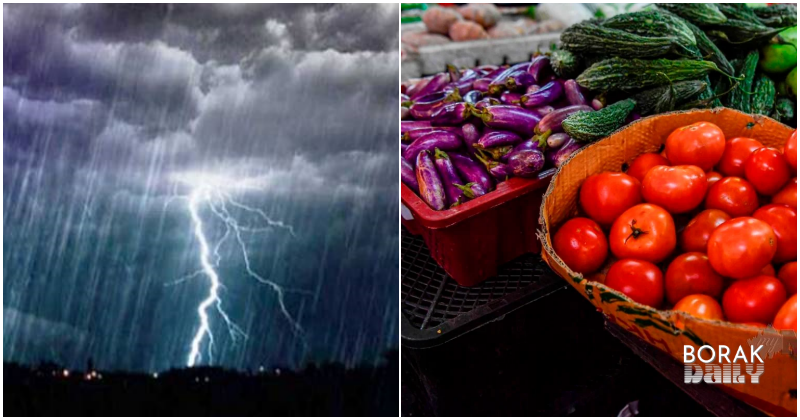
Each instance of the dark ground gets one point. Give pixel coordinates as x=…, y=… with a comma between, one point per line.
x=329, y=390
x=552, y=357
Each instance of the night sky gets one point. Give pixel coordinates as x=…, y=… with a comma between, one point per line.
x=277, y=122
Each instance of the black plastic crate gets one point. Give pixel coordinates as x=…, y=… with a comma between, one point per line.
x=436, y=309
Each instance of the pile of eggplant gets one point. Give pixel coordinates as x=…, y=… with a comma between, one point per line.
x=462, y=131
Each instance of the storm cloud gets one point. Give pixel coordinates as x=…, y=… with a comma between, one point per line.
x=112, y=111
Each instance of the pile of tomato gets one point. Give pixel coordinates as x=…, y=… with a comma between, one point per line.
x=707, y=227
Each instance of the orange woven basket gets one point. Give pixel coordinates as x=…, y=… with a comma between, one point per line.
x=776, y=392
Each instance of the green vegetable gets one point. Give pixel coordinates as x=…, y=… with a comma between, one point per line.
x=777, y=16
x=763, y=99
x=740, y=96
x=586, y=127
x=591, y=38
x=664, y=98
x=738, y=11
x=621, y=73
x=736, y=31
x=709, y=50
x=706, y=98
x=698, y=13
x=785, y=111
x=656, y=23
x=791, y=81
x=565, y=64
x=778, y=58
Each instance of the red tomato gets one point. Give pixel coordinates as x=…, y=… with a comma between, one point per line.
x=581, y=244
x=786, y=318
x=737, y=150
x=756, y=299
x=767, y=170
x=639, y=280
x=783, y=221
x=787, y=195
x=694, y=236
x=755, y=324
x=678, y=189
x=605, y=196
x=690, y=274
x=790, y=150
x=645, y=232
x=734, y=196
x=644, y=163
x=768, y=270
x=788, y=276
x=701, y=144
x=741, y=247
x=701, y=306
x=713, y=177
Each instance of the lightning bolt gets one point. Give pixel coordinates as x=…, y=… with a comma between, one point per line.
x=219, y=203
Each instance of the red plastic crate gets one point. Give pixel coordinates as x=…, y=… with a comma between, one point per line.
x=471, y=240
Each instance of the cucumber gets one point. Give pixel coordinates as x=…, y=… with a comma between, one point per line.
x=591, y=38
x=621, y=73
x=698, y=13
x=657, y=24
x=586, y=127
x=740, y=97
x=777, y=16
x=565, y=64
x=664, y=98
x=785, y=111
x=763, y=99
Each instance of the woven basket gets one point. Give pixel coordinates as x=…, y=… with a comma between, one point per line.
x=777, y=389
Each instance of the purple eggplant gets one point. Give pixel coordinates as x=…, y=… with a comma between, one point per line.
x=431, y=188
x=534, y=143
x=408, y=175
x=510, y=98
x=574, y=93
x=474, y=174
x=546, y=95
x=471, y=132
x=473, y=96
x=498, y=84
x=526, y=163
x=539, y=68
x=520, y=81
x=543, y=110
x=509, y=117
x=499, y=170
x=497, y=153
x=412, y=135
x=552, y=121
x=452, y=114
x=555, y=141
x=413, y=125
x=455, y=74
x=556, y=157
x=442, y=139
x=437, y=83
x=464, y=83
x=404, y=113
x=416, y=87
x=481, y=84
x=531, y=89
x=597, y=104
x=424, y=107
x=487, y=101
x=497, y=138
x=404, y=98
x=403, y=148
x=453, y=193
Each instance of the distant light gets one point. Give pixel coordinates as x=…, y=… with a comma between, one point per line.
x=278, y=372
x=196, y=379
x=261, y=369
x=88, y=377
x=99, y=376
x=94, y=374
x=207, y=380
x=65, y=373
x=155, y=375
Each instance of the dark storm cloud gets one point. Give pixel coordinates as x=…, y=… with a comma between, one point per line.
x=110, y=109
